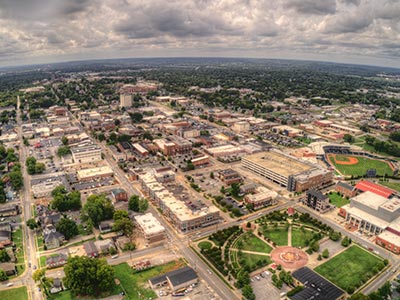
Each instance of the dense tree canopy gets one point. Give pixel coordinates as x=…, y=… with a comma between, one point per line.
x=64, y=201
x=98, y=208
x=68, y=228
x=88, y=277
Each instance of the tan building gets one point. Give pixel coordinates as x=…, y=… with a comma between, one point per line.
x=294, y=174
x=95, y=173
x=125, y=100
x=261, y=198
x=150, y=228
x=86, y=153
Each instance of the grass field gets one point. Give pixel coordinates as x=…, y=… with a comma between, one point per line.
x=14, y=294
x=299, y=237
x=361, y=167
x=351, y=268
x=19, y=253
x=205, y=245
x=250, y=242
x=254, y=261
x=278, y=235
x=391, y=185
x=337, y=200
x=132, y=282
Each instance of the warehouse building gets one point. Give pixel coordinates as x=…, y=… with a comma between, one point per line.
x=294, y=174
x=176, y=280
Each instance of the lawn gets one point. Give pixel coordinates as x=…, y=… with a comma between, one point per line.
x=337, y=200
x=134, y=282
x=249, y=241
x=39, y=242
x=65, y=295
x=299, y=237
x=351, y=268
x=15, y=294
x=277, y=235
x=360, y=168
x=19, y=252
x=253, y=261
x=391, y=185
x=205, y=245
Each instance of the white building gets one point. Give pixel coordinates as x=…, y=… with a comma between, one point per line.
x=86, y=153
x=150, y=228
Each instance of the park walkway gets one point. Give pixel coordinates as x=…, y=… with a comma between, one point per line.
x=250, y=252
x=289, y=236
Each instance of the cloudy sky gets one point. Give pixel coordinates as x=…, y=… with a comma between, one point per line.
x=355, y=31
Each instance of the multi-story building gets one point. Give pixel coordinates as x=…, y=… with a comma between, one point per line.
x=294, y=174
x=125, y=100
x=86, y=153
x=345, y=189
x=241, y=126
x=317, y=201
x=184, y=215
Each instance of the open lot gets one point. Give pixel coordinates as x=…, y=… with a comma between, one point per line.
x=337, y=200
x=14, y=294
x=132, y=282
x=351, y=268
x=349, y=165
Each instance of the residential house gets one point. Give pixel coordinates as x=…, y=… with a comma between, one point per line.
x=90, y=249
x=8, y=268
x=57, y=286
x=53, y=239
x=56, y=260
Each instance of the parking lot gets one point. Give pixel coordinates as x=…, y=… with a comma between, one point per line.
x=199, y=292
x=265, y=290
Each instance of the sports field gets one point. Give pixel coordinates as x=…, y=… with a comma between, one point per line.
x=351, y=268
x=349, y=165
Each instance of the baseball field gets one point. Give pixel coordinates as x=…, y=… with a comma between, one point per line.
x=348, y=165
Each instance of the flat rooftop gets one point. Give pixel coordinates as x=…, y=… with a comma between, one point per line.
x=149, y=224
x=360, y=214
x=279, y=163
x=370, y=199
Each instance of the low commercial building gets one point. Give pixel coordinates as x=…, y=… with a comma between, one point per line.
x=224, y=150
x=86, y=153
x=119, y=195
x=44, y=189
x=150, y=228
x=294, y=174
x=229, y=176
x=263, y=197
x=177, y=280
x=95, y=173
x=316, y=287
x=241, y=127
x=201, y=160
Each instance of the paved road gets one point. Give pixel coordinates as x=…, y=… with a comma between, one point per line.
x=25, y=279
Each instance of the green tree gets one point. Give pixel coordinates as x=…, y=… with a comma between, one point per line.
x=64, y=140
x=63, y=151
x=4, y=257
x=348, y=138
x=325, y=253
x=247, y=292
x=133, y=203
x=64, y=201
x=88, y=277
x=143, y=205
x=3, y=197
x=235, y=189
x=68, y=228
x=120, y=214
x=345, y=242
x=123, y=225
x=98, y=208
x=31, y=223
x=3, y=275
x=16, y=179
x=136, y=117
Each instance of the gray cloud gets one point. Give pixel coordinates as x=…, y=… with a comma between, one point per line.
x=313, y=7
x=40, y=30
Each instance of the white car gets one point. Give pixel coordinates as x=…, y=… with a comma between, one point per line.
x=10, y=284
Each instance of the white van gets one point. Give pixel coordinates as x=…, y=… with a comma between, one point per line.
x=114, y=256
x=10, y=284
